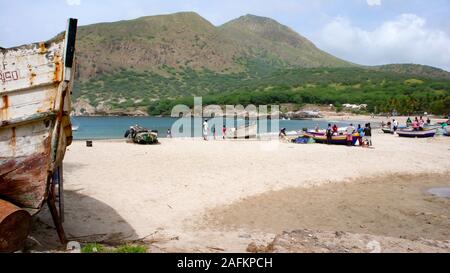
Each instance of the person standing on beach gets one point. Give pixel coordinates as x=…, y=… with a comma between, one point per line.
x=395, y=125
x=169, y=133
x=214, y=131
x=329, y=134
x=205, y=130
x=368, y=134
x=361, y=135
x=350, y=131
x=224, y=132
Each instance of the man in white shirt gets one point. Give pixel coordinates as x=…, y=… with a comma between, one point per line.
x=205, y=130
x=395, y=125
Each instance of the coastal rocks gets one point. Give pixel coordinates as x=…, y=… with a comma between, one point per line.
x=83, y=108
x=306, y=241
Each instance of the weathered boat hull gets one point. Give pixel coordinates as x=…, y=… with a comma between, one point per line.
x=35, y=128
x=417, y=134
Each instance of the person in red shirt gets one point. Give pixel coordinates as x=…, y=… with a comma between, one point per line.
x=335, y=129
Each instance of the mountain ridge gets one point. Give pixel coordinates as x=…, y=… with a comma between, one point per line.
x=132, y=64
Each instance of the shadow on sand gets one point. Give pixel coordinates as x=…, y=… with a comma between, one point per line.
x=86, y=220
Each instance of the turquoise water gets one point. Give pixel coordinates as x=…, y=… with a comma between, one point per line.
x=115, y=127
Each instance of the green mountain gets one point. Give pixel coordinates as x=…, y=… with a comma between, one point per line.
x=147, y=64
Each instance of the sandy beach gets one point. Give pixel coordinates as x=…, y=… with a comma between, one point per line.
x=221, y=196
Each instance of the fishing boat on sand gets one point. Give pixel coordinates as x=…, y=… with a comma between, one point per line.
x=35, y=129
x=387, y=130
x=335, y=140
x=410, y=133
x=141, y=135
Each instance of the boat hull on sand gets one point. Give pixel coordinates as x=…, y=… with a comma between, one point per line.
x=335, y=140
x=387, y=130
x=417, y=134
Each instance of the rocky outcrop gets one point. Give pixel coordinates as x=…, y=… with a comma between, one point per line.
x=307, y=241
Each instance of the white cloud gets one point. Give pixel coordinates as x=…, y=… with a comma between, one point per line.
x=374, y=2
x=73, y=2
x=407, y=39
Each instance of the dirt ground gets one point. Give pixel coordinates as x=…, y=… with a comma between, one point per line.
x=221, y=196
x=393, y=206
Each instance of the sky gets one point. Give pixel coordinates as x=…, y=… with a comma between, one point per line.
x=369, y=32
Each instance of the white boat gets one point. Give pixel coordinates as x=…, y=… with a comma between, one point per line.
x=75, y=128
x=35, y=129
x=245, y=132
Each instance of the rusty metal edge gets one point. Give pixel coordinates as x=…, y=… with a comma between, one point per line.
x=58, y=38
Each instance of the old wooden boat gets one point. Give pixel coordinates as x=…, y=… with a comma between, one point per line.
x=141, y=135
x=417, y=134
x=35, y=129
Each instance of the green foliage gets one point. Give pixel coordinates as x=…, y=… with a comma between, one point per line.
x=264, y=83
x=93, y=248
x=131, y=249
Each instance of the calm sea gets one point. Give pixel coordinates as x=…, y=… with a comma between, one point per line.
x=115, y=127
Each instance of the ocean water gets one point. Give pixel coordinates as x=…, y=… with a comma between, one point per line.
x=97, y=128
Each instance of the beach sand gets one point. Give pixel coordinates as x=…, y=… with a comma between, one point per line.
x=220, y=196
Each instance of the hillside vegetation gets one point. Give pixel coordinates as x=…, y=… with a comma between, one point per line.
x=152, y=63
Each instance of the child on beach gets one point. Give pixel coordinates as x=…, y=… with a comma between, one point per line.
x=224, y=132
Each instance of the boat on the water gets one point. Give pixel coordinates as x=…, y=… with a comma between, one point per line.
x=75, y=128
x=335, y=140
x=417, y=134
x=35, y=129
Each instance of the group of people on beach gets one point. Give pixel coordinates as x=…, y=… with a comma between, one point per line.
x=205, y=131
x=418, y=124
x=364, y=134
